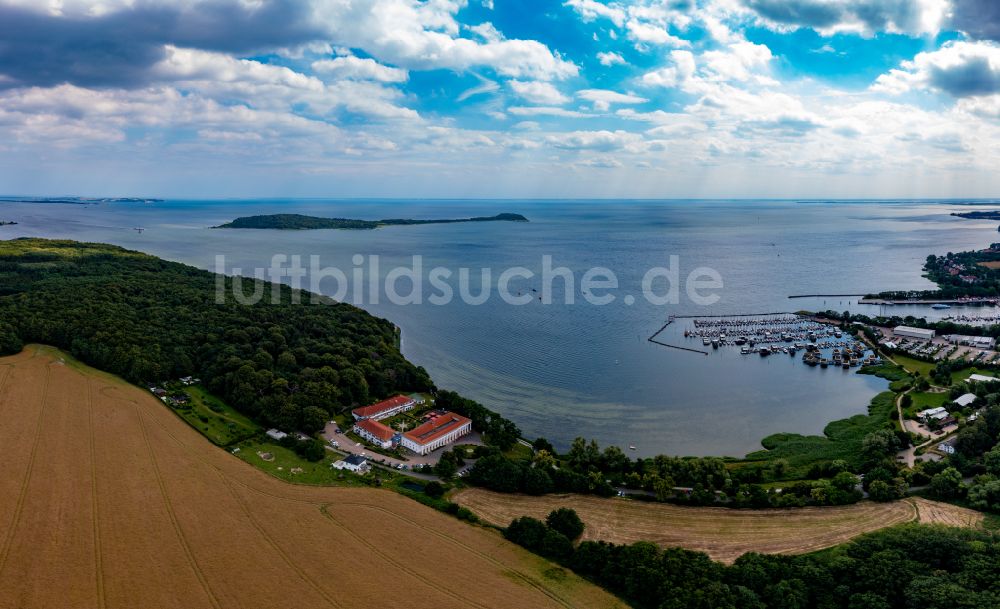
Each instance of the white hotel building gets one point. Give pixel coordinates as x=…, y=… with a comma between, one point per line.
x=439, y=431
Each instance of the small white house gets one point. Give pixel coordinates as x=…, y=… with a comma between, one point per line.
x=353, y=463
x=947, y=447
x=276, y=434
x=965, y=400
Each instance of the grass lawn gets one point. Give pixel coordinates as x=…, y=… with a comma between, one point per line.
x=841, y=439
x=218, y=422
x=923, y=401
x=959, y=376
x=928, y=400
x=520, y=452
x=285, y=460
x=914, y=365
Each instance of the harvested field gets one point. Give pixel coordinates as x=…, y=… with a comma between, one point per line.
x=724, y=534
x=109, y=500
x=934, y=512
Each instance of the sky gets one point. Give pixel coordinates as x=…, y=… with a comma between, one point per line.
x=500, y=98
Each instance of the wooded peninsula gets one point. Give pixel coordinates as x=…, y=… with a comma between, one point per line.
x=978, y=215
x=302, y=222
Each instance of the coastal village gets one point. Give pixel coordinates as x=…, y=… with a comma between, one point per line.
x=931, y=417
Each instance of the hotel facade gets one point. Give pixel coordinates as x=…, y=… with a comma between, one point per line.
x=384, y=409
x=438, y=431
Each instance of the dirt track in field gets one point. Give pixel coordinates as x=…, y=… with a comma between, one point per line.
x=109, y=500
x=934, y=512
x=724, y=534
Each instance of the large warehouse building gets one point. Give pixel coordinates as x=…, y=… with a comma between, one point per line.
x=909, y=332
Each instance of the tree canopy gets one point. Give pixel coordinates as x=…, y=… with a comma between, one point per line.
x=147, y=320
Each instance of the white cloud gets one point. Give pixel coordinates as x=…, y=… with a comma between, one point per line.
x=864, y=17
x=610, y=59
x=485, y=87
x=603, y=162
x=224, y=78
x=590, y=10
x=424, y=35
x=987, y=106
x=682, y=68
x=602, y=99
x=644, y=22
x=357, y=68
x=603, y=140
x=961, y=69
x=738, y=62
x=541, y=93
x=546, y=111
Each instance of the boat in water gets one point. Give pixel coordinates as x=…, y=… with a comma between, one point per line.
x=940, y=306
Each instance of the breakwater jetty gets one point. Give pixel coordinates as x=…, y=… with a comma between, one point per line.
x=653, y=338
x=972, y=302
x=827, y=295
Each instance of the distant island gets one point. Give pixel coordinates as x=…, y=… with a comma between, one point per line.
x=300, y=222
x=978, y=215
x=78, y=200
x=5, y=223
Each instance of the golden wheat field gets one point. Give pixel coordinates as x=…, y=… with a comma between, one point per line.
x=724, y=534
x=108, y=500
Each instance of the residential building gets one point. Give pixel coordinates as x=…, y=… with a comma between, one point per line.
x=439, y=430
x=377, y=434
x=982, y=378
x=947, y=447
x=354, y=463
x=384, y=409
x=933, y=414
x=910, y=332
x=276, y=435
x=965, y=400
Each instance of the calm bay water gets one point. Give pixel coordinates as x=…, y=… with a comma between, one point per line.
x=565, y=370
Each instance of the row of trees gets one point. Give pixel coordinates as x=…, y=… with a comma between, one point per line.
x=899, y=568
x=904, y=567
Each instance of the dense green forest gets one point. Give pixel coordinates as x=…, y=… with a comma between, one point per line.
x=148, y=320
x=301, y=222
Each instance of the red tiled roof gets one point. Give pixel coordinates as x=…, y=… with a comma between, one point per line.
x=384, y=405
x=436, y=427
x=380, y=431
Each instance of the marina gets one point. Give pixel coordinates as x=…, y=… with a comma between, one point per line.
x=975, y=320
x=821, y=344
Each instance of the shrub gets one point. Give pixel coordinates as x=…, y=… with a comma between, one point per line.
x=565, y=521
x=434, y=489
